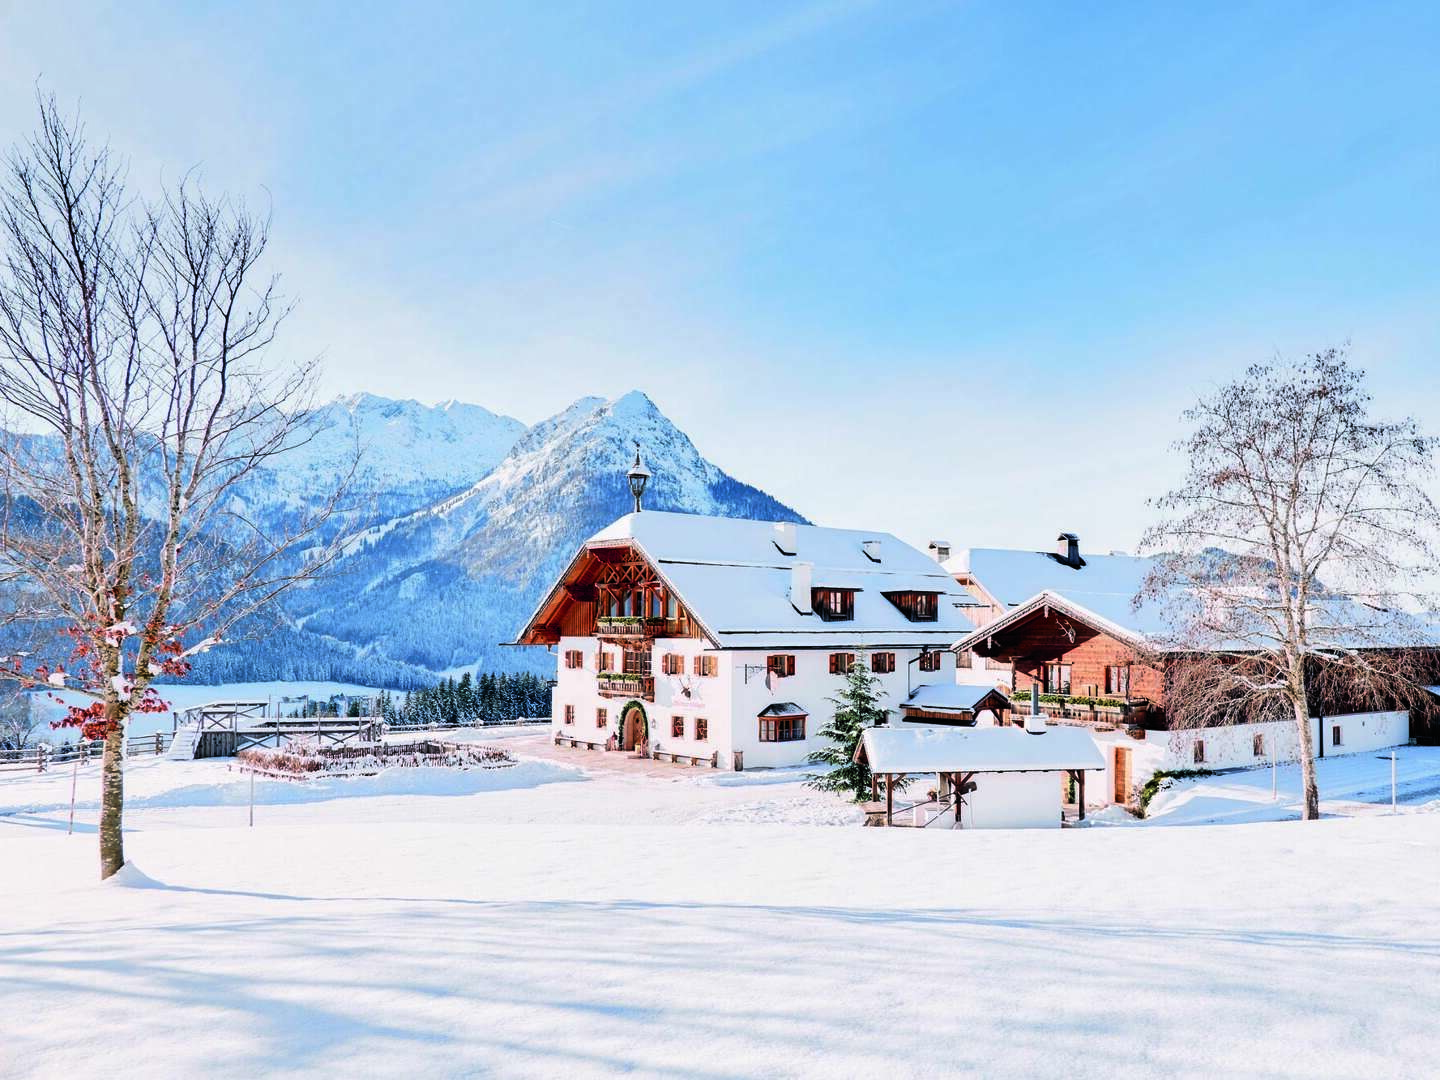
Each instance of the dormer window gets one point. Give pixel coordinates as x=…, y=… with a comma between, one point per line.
x=916, y=606
x=833, y=605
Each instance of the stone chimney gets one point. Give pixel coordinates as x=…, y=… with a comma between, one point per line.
x=801, y=577
x=940, y=550
x=785, y=539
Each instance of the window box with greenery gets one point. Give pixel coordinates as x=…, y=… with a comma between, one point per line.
x=626, y=626
x=1080, y=706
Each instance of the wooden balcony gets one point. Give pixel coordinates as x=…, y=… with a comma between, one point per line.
x=1121, y=713
x=628, y=628
x=615, y=684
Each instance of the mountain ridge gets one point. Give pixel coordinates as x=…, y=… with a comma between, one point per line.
x=443, y=585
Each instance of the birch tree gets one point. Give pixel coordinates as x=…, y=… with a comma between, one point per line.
x=1296, y=554
x=133, y=371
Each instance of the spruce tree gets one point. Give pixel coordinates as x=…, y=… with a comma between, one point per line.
x=856, y=708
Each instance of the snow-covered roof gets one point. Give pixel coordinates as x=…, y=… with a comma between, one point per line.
x=987, y=749
x=1105, y=582
x=1121, y=622
x=730, y=574
x=950, y=697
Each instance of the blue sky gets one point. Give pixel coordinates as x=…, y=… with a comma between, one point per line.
x=949, y=269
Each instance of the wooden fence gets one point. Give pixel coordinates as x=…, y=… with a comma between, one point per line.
x=39, y=759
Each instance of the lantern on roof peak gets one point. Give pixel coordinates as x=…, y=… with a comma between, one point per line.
x=638, y=476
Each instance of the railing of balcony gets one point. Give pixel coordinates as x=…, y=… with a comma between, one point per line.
x=1078, y=707
x=629, y=627
x=621, y=684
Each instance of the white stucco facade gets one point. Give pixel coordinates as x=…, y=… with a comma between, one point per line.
x=730, y=701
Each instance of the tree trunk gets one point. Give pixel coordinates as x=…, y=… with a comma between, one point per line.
x=112, y=795
x=1311, y=809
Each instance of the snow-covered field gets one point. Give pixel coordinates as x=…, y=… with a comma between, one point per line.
x=604, y=922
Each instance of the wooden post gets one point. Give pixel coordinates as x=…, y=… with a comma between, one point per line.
x=74, y=780
x=1082, y=794
x=889, y=798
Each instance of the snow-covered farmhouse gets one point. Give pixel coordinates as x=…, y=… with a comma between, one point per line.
x=723, y=639
x=1065, y=624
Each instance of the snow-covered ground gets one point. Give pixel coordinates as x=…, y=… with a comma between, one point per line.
x=593, y=919
x=1350, y=785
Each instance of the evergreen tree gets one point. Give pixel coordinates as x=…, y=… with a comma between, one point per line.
x=856, y=708
x=465, y=699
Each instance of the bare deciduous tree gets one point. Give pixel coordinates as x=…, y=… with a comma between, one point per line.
x=1297, y=551
x=131, y=364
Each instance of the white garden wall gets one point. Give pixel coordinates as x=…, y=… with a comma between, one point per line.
x=1234, y=747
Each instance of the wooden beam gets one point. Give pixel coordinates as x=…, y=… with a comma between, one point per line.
x=889, y=799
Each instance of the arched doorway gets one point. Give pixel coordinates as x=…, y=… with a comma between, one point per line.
x=634, y=727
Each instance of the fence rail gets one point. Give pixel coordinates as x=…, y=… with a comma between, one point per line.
x=517, y=722
x=39, y=759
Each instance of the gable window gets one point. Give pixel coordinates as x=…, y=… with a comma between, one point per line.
x=1199, y=751
x=677, y=727
x=780, y=665
x=882, y=663
x=930, y=661
x=916, y=606
x=1257, y=746
x=574, y=658
x=841, y=663
x=601, y=718
x=833, y=605
x=672, y=664
x=702, y=729
x=707, y=665
x=1335, y=736
x=570, y=714
x=1057, y=678
x=1117, y=679
x=782, y=728
x=637, y=661
x=604, y=661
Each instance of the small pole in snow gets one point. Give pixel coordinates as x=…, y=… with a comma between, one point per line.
x=1392, y=781
x=74, y=779
x=252, y=800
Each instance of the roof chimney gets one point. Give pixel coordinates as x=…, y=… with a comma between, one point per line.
x=1067, y=550
x=940, y=550
x=800, y=596
x=785, y=537
x=871, y=549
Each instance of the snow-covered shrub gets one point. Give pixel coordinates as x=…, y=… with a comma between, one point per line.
x=303, y=760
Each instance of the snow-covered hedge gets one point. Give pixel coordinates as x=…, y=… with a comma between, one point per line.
x=302, y=761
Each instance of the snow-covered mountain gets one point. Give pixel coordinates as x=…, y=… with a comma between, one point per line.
x=466, y=517
x=443, y=586
x=405, y=456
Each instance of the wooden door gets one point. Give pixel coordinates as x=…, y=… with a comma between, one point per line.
x=1122, y=775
